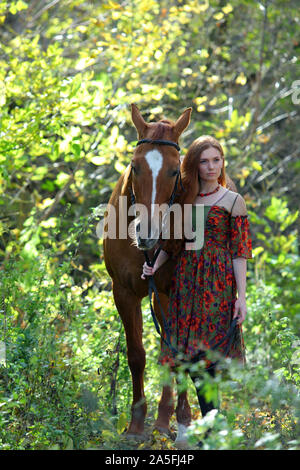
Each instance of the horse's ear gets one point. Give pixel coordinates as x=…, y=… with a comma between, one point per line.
x=230, y=184
x=126, y=180
x=138, y=120
x=182, y=122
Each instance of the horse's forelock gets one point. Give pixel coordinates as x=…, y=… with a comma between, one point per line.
x=160, y=129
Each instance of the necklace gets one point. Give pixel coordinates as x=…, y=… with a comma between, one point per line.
x=208, y=194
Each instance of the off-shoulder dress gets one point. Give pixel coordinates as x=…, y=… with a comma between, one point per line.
x=203, y=288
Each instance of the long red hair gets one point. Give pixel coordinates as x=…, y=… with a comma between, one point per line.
x=191, y=181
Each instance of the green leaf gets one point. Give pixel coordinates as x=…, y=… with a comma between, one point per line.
x=76, y=149
x=122, y=423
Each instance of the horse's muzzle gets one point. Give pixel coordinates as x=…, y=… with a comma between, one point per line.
x=146, y=243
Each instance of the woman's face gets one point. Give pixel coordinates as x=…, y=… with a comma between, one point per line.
x=210, y=164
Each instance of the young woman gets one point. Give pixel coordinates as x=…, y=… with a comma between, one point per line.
x=208, y=287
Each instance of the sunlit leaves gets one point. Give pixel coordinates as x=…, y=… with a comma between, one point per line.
x=227, y=9
x=277, y=210
x=257, y=166
x=241, y=79
x=237, y=123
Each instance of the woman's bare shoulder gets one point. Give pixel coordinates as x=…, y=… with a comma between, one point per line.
x=238, y=205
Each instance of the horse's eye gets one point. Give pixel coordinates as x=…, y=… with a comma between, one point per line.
x=175, y=172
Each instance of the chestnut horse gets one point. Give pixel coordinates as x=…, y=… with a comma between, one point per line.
x=151, y=176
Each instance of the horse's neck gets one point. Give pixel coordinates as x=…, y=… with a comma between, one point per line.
x=121, y=189
x=121, y=198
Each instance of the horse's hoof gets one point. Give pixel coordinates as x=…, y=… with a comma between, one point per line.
x=181, y=441
x=182, y=445
x=166, y=431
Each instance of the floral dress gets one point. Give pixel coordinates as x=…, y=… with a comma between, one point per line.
x=203, y=290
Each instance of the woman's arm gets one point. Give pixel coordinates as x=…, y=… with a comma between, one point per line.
x=239, y=264
x=161, y=259
x=240, y=274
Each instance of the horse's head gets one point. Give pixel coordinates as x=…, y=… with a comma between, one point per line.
x=155, y=168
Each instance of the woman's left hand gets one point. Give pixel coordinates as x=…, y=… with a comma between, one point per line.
x=240, y=310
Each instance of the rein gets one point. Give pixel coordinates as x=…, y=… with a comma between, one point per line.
x=152, y=287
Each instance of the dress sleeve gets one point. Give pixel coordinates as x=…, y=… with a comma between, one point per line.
x=240, y=243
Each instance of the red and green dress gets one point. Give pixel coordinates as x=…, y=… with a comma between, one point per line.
x=203, y=289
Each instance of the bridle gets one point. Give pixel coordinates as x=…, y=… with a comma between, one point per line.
x=172, y=197
x=160, y=142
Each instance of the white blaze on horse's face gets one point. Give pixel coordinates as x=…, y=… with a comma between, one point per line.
x=155, y=160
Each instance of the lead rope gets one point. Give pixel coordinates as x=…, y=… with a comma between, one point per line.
x=151, y=284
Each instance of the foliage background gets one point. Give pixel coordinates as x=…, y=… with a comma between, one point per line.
x=68, y=73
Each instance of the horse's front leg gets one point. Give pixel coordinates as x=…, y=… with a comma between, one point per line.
x=165, y=410
x=166, y=403
x=129, y=308
x=184, y=418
